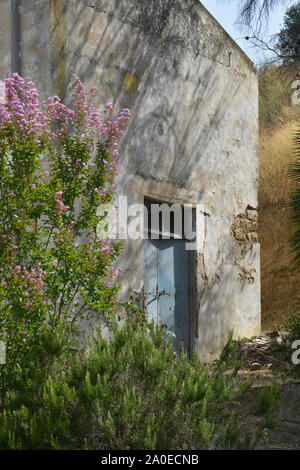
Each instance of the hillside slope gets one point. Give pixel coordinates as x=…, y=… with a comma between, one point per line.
x=278, y=122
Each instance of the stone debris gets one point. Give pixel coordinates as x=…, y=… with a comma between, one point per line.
x=264, y=352
x=255, y=366
x=274, y=334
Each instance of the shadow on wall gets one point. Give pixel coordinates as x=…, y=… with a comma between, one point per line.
x=169, y=63
x=179, y=88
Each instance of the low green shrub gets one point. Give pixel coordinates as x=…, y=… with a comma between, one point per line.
x=294, y=329
x=130, y=392
x=267, y=404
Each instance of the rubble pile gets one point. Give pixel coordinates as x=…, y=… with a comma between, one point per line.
x=266, y=352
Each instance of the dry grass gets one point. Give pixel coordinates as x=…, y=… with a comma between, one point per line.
x=276, y=153
x=279, y=281
x=275, y=95
x=278, y=121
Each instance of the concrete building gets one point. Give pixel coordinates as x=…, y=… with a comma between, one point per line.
x=192, y=139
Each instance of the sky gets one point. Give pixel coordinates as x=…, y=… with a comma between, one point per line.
x=226, y=12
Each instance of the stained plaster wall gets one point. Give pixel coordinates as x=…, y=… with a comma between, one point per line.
x=192, y=137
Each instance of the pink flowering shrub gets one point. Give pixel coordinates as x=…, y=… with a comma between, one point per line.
x=57, y=165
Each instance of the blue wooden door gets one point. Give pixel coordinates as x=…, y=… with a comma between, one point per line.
x=166, y=286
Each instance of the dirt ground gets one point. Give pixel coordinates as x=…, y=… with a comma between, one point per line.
x=267, y=361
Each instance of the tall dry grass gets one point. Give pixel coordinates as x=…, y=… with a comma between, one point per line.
x=275, y=153
x=275, y=94
x=280, y=282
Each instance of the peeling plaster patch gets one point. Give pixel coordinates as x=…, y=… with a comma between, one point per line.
x=244, y=229
x=246, y=275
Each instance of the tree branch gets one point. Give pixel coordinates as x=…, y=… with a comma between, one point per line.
x=266, y=46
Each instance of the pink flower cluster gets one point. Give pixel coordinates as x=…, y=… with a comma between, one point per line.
x=21, y=109
x=33, y=278
x=82, y=100
x=107, y=248
x=106, y=130
x=58, y=238
x=29, y=281
x=59, y=114
x=111, y=276
x=21, y=112
x=60, y=208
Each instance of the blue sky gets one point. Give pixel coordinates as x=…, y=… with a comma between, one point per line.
x=226, y=12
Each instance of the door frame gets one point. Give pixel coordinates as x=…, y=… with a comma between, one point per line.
x=193, y=284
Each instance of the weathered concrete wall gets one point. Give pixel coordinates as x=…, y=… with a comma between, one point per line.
x=34, y=44
x=5, y=38
x=192, y=136
x=25, y=41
